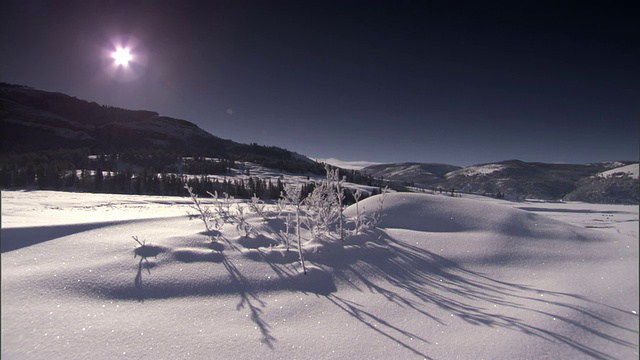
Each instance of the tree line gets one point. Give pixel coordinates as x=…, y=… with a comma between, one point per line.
x=142, y=172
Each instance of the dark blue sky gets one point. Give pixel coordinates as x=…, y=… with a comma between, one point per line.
x=431, y=81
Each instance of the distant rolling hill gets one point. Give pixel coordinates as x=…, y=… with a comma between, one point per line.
x=519, y=179
x=417, y=173
x=36, y=120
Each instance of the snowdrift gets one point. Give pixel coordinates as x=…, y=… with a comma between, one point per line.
x=428, y=213
x=439, y=278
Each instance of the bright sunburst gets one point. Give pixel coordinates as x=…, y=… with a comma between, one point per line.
x=122, y=56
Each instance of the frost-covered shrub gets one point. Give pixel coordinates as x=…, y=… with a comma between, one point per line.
x=334, y=177
x=222, y=207
x=377, y=215
x=293, y=196
x=360, y=222
x=213, y=220
x=288, y=223
x=324, y=205
x=204, y=213
x=281, y=205
x=320, y=212
x=242, y=225
x=258, y=207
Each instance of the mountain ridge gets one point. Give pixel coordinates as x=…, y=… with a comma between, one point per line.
x=519, y=179
x=37, y=120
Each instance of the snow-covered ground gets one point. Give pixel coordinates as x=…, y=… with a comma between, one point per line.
x=345, y=164
x=477, y=170
x=441, y=278
x=631, y=170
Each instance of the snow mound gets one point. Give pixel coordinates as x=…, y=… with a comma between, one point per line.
x=429, y=213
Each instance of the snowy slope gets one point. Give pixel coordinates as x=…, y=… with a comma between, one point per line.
x=410, y=172
x=36, y=120
x=441, y=278
x=519, y=179
x=476, y=170
x=631, y=170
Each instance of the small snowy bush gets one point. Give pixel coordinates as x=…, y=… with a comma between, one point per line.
x=292, y=195
x=324, y=205
x=334, y=177
x=222, y=207
x=359, y=220
x=377, y=215
x=320, y=213
x=204, y=213
x=288, y=223
x=258, y=207
x=243, y=225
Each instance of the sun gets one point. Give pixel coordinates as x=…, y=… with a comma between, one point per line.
x=122, y=56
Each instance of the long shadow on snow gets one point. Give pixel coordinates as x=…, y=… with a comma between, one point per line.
x=317, y=281
x=285, y=277
x=247, y=299
x=17, y=238
x=425, y=277
x=471, y=296
x=242, y=286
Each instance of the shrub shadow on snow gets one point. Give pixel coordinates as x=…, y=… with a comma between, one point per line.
x=272, y=255
x=144, y=252
x=189, y=255
x=285, y=274
x=405, y=275
x=316, y=281
x=377, y=324
x=211, y=234
x=249, y=300
x=258, y=241
x=273, y=225
x=216, y=246
x=285, y=265
x=428, y=280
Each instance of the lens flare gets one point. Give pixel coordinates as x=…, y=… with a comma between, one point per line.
x=122, y=56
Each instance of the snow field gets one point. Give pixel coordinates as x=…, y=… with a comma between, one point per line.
x=440, y=278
